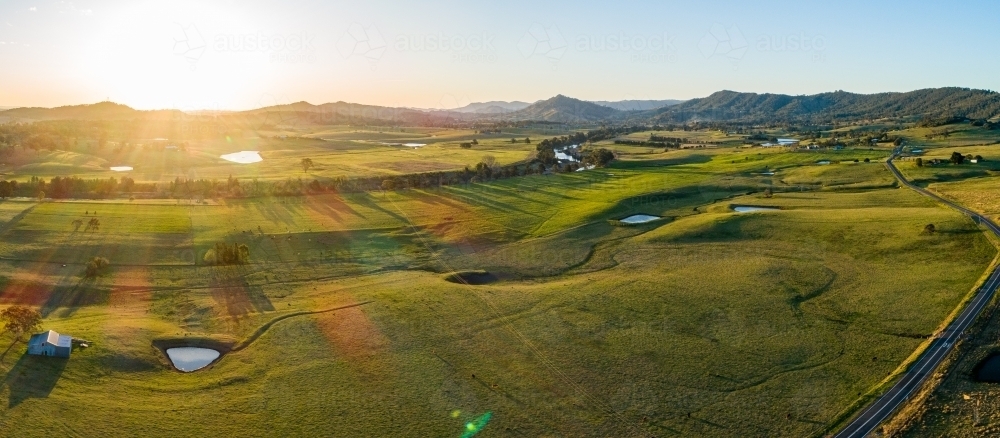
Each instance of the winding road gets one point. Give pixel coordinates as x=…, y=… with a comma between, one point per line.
x=882, y=408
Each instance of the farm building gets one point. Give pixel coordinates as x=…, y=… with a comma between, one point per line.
x=50, y=343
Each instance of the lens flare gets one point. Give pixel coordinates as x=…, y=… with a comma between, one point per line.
x=475, y=426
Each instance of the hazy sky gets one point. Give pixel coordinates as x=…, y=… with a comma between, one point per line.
x=441, y=54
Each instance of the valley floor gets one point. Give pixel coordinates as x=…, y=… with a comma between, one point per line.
x=707, y=323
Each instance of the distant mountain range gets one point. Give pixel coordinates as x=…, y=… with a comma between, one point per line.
x=637, y=105
x=501, y=107
x=492, y=107
x=722, y=106
x=97, y=111
x=564, y=109
x=839, y=105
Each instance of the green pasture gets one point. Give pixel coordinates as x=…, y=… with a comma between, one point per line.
x=704, y=323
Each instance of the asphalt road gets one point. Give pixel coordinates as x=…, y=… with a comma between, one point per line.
x=882, y=408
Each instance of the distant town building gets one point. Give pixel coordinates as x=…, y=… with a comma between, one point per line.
x=50, y=343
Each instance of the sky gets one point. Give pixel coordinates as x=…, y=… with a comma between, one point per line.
x=227, y=55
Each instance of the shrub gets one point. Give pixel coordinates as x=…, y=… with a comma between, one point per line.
x=96, y=267
x=226, y=254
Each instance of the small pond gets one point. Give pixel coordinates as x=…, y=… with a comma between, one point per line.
x=823, y=162
x=639, y=219
x=565, y=154
x=414, y=145
x=749, y=209
x=988, y=370
x=243, y=157
x=121, y=168
x=188, y=359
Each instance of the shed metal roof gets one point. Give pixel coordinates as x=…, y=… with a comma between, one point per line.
x=51, y=337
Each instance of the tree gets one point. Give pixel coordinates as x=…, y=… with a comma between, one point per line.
x=489, y=161
x=474, y=141
x=920, y=162
x=307, y=163
x=388, y=185
x=768, y=193
x=96, y=266
x=527, y=140
x=466, y=145
x=868, y=160
x=7, y=189
x=127, y=184
x=547, y=156
x=930, y=229
x=225, y=254
x=957, y=158
x=20, y=320
x=979, y=158
x=600, y=157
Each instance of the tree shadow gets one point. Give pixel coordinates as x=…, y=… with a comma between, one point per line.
x=64, y=301
x=276, y=210
x=33, y=377
x=235, y=295
x=332, y=206
x=368, y=201
x=9, y=225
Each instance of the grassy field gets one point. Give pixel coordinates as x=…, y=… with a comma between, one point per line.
x=707, y=323
x=931, y=173
x=959, y=405
x=958, y=135
x=335, y=153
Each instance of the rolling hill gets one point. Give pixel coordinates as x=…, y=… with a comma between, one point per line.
x=566, y=110
x=349, y=113
x=839, y=105
x=722, y=106
x=638, y=105
x=492, y=107
x=97, y=111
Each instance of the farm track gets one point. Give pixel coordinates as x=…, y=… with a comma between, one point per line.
x=267, y=325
